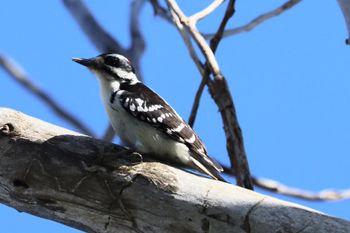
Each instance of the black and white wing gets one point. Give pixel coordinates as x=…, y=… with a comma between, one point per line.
x=144, y=104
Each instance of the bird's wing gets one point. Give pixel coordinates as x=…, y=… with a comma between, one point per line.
x=144, y=104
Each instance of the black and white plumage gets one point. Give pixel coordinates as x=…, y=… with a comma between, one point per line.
x=145, y=121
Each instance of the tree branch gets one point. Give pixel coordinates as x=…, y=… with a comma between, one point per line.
x=345, y=7
x=214, y=43
x=138, y=45
x=219, y=91
x=277, y=187
x=137, y=40
x=205, y=12
x=258, y=20
x=17, y=73
x=196, y=101
x=323, y=195
x=198, y=38
x=100, y=187
x=161, y=11
x=187, y=40
x=99, y=37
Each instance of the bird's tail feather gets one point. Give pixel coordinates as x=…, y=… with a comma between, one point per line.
x=209, y=167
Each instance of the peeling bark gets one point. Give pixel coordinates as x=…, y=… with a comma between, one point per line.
x=96, y=186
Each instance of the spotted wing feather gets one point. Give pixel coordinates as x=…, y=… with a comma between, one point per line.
x=147, y=106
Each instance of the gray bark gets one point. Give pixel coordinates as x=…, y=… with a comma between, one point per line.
x=345, y=7
x=96, y=186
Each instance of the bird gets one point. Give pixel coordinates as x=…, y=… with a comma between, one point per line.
x=143, y=120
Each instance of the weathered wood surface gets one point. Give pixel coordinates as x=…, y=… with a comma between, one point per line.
x=96, y=186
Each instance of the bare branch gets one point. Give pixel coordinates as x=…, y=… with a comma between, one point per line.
x=196, y=101
x=345, y=7
x=200, y=67
x=214, y=42
x=102, y=40
x=161, y=11
x=137, y=40
x=258, y=20
x=222, y=96
x=188, y=43
x=209, y=55
x=207, y=11
x=95, y=186
x=216, y=38
x=17, y=73
x=138, y=44
x=220, y=92
x=279, y=188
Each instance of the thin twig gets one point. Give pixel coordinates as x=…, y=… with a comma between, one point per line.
x=323, y=195
x=196, y=101
x=214, y=42
x=161, y=11
x=138, y=45
x=205, y=75
x=199, y=39
x=137, y=41
x=17, y=73
x=345, y=8
x=258, y=20
x=186, y=38
x=277, y=187
x=102, y=40
x=205, y=12
x=200, y=66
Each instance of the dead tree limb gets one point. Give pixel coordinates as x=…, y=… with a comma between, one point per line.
x=96, y=186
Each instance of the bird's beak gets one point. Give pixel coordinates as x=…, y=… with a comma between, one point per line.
x=90, y=63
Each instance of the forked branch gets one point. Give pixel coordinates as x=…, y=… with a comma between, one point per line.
x=217, y=87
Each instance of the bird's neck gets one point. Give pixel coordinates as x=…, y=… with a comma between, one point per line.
x=107, y=87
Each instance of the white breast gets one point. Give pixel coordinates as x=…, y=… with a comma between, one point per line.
x=138, y=134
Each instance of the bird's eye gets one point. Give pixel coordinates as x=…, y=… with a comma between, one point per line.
x=112, y=61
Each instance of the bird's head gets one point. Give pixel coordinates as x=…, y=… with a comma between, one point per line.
x=110, y=67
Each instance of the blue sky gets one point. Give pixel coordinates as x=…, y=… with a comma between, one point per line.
x=289, y=79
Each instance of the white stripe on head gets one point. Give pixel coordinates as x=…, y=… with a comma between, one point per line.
x=125, y=76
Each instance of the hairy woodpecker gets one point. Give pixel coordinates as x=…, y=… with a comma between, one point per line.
x=145, y=121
